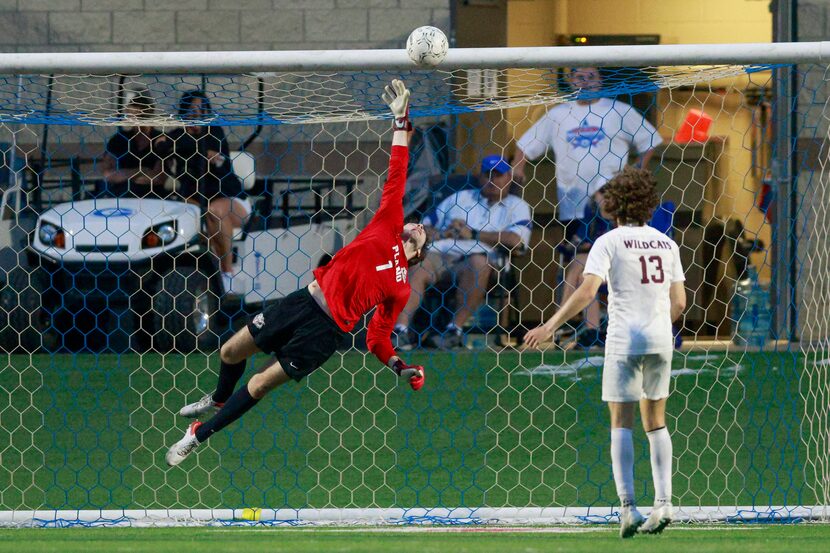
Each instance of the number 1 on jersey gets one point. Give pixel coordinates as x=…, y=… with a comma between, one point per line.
x=658, y=267
x=383, y=267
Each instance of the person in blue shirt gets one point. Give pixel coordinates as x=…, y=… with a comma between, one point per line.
x=467, y=229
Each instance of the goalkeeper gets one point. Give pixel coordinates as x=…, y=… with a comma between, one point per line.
x=304, y=328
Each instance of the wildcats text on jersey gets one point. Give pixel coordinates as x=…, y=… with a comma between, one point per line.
x=647, y=244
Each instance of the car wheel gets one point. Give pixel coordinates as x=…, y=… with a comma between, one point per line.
x=185, y=310
x=28, y=326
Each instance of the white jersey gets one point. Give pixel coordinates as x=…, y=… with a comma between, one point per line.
x=639, y=264
x=590, y=143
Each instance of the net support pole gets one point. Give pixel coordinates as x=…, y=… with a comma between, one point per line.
x=14, y=174
x=785, y=182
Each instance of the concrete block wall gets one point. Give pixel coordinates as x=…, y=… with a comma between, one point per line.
x=814, y=25
x=200, y=25
x=151, y=25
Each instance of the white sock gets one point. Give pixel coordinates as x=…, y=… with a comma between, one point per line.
x=622, y=464
x=659, y=442
x=401, y=328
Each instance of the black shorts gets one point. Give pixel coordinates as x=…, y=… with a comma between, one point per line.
x=298, y=332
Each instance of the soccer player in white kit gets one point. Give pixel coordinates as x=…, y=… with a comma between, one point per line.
x=645, y=295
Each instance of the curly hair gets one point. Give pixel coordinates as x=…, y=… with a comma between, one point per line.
x=631, y=196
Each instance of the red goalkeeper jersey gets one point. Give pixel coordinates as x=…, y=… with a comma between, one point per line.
x=373, y=269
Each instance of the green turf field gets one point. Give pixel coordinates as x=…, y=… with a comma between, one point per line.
x=746, y=539
x=90, y=432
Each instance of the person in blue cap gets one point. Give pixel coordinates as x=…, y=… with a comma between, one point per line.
x=466, y=229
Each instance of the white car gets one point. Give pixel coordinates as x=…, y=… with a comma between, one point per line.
x=146, y=255
x=113, y=231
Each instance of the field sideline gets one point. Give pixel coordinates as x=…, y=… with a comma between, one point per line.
x=679, y=539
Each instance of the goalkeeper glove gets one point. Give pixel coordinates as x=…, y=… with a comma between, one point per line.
x=413, y=373
x=396, y=97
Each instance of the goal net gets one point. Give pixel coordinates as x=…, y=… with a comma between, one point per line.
x=113, y=302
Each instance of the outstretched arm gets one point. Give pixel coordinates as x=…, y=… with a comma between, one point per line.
x=379, y=342
x=379, y=332
x=396, y=97
x=578, y=301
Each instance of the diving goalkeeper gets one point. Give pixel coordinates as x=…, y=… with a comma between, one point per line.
x=303, y=329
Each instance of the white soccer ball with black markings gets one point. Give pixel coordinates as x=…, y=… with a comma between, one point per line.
x=427, y=46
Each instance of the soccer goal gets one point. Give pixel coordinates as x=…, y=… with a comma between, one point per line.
x=113, y=302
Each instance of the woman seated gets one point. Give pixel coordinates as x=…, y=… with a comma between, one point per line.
x=201, y=162
x=132, y=161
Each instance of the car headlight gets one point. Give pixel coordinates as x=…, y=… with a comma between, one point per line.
x=52, y=235
x=160, y=235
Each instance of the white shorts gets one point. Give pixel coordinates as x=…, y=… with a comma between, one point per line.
x=627, y=378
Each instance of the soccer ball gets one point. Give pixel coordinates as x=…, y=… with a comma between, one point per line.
x=427, y=46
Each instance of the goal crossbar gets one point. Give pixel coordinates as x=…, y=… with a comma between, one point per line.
x=457, y=58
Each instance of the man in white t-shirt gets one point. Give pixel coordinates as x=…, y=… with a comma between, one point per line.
x=591, y=139
x=465, y=229
x=646, y=294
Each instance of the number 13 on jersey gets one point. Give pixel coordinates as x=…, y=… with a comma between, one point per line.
x=652, y=269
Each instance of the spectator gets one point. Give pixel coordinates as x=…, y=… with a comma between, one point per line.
x=132, y=162
x=466, y=229
x=202, y=164
x=591, y=139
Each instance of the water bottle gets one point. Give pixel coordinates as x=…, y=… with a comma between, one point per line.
x=751, y=310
